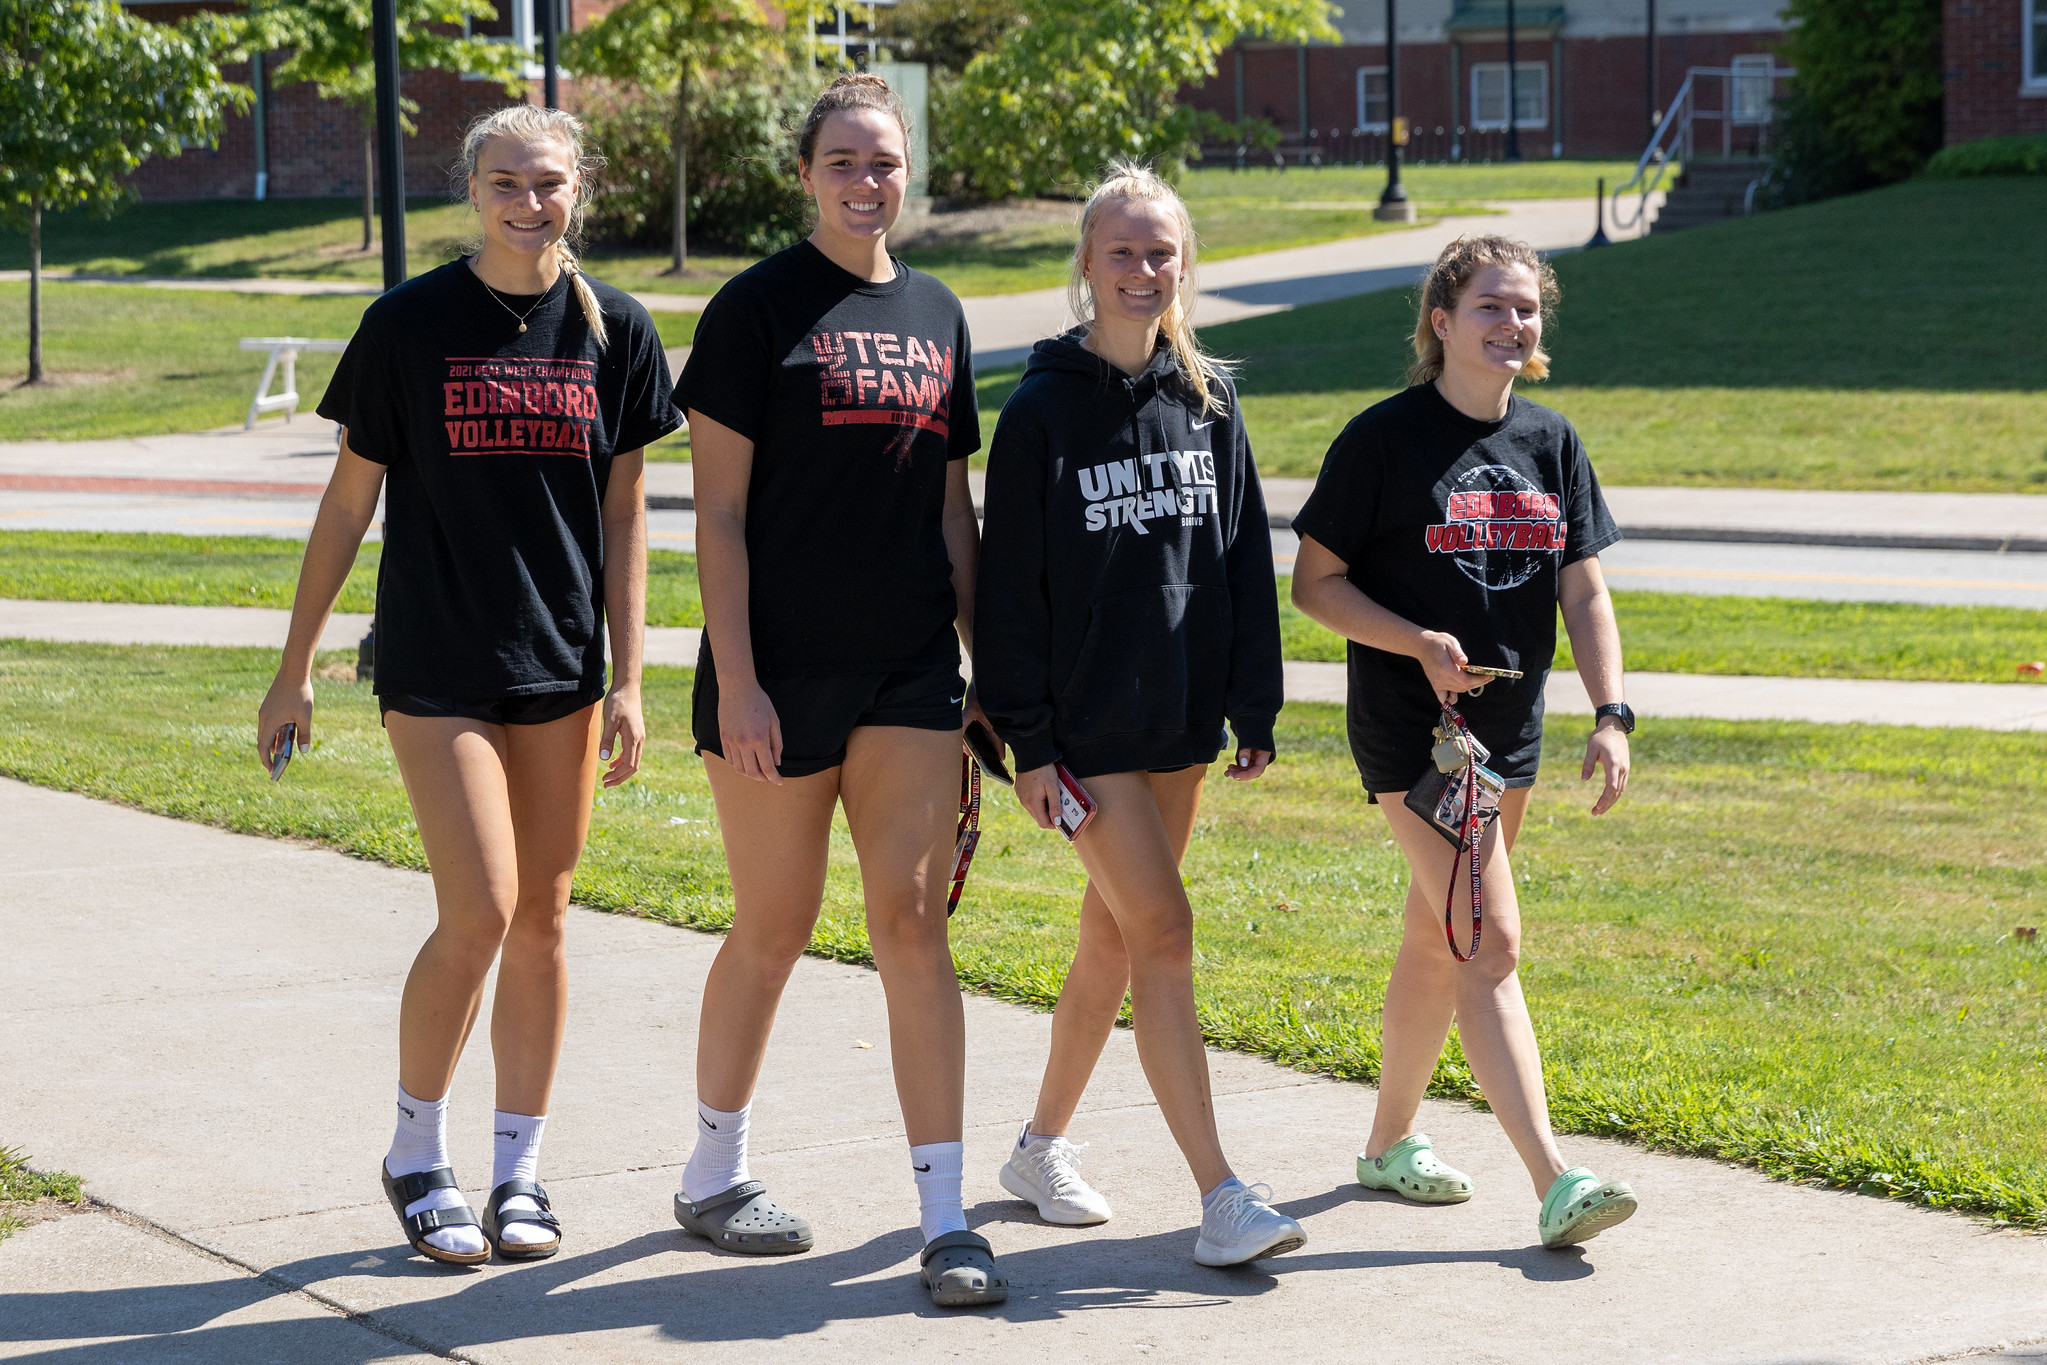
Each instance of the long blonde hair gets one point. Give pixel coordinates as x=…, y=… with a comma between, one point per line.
x=1133, y=180
x=1445, y=284
x=531, y=123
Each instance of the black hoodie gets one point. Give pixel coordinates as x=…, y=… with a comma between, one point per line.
x=1126, y=603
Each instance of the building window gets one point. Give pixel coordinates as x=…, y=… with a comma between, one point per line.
x=1489, y=94
x=1754, y=88
x=1372, y=112
x=2036, y=45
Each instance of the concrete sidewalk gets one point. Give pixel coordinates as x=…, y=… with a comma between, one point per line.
x=1975, y=706
x=203, y=1027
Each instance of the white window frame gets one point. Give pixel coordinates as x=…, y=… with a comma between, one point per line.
x=1759, y=68
x=1539, y=70
x=2032, y=30
x=526, y=32
x=1364, y=123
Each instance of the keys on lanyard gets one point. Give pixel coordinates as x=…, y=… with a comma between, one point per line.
x=970, y=826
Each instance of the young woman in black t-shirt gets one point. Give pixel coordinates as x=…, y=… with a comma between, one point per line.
x=831, y=410
x=500, y=404
x=1127, y=609
x=1449, y=525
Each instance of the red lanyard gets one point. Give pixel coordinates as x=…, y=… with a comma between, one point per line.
x=1473, y=835
x=970, y=827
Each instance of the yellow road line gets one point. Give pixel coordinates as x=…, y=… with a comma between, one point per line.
x=1874, y=580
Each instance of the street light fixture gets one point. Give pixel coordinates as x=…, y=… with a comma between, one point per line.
x=1513, y=91
x=390, y=152
x=550, y=17
x=1394, y=206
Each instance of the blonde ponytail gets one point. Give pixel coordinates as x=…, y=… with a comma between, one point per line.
x=1128, y=180
x=531, y=123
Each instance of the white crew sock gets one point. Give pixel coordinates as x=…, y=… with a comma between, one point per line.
x=421, y=1144
x=937, y=1168
x=719, y=1160
x=515, y=1155
x=1228, y=1183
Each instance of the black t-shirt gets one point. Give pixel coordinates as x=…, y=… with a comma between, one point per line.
x=1461, y=526
x=855, y=396
x=498, y=445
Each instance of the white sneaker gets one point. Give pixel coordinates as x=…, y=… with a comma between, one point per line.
x=1243, y=1226
x=1046, y=1172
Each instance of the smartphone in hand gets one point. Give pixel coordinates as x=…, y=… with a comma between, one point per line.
x=1076, y=808
x=987, y=751
x=1485, y=671
x=279, y=760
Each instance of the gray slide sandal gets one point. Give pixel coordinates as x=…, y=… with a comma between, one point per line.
x=743, y=1218
x=959, y=1270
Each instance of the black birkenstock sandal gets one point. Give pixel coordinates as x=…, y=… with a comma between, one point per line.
x=743, y=1218
x=405, y=1189
x=496, y=1220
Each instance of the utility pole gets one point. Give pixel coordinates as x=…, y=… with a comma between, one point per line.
x=390, y=152
x=1393, y=202
x=549, y=15
x=1513, y=91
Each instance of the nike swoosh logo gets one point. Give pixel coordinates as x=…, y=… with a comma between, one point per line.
x=920, y=1169
x=960, y=698
x=1201, y=426
x=708, y=1124
x=509, y=1133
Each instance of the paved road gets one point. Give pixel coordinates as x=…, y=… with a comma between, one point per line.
x=208, y=1020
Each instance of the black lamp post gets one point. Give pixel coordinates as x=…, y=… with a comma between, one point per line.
x=1393, y=202
x=1513, y=91
x=1649, y=54
x=390, y=154
x=548, y=15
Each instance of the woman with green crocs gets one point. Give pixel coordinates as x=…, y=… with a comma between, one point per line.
x=1449, y=525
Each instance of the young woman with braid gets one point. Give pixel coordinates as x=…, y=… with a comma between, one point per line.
x=500, y=405
x=1449, y=526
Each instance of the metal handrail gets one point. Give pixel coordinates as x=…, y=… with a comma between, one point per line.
x=1677, y=128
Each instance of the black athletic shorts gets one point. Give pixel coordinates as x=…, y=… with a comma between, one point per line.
x=819, y=711
x=536, y=709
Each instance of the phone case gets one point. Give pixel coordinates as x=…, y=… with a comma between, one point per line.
x=987, y=751
x=281, y=760
x=1076, y=808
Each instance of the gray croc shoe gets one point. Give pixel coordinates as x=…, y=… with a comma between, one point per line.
x=743, y=1218
x=959, y=1270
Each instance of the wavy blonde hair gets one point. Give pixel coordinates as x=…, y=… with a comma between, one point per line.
x=531, y=123
x=1123, y=181
x=1446, y=282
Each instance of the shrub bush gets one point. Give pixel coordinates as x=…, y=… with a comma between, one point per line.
x=743, y=190
x=1865, y=107
x=2025, y=154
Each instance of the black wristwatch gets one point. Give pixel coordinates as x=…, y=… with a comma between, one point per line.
x=1620, y=711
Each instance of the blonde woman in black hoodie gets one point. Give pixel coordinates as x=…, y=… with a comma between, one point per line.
x=1127, y=608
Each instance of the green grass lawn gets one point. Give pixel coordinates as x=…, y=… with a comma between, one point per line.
x=1662, y=632
x=1791, y=946
x=134, y=361
x=1845, y=344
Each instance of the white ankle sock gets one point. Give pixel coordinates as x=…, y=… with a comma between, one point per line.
x=1226, y=1184
x=515, y=1155
x=937, y=1168
x=719, y=1159
x=421, y=1144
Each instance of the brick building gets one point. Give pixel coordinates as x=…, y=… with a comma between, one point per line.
x=1582, y=75
x=1994, y=60
x=293, y=144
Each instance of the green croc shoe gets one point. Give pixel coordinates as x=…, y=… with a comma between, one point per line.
x=1580, y=1206
x=1409, y=1168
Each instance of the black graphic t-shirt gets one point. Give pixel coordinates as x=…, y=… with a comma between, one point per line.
x=855, y=396
x=1462, y=526
x=498, y=446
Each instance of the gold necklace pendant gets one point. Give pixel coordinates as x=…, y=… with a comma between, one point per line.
x=522, y=329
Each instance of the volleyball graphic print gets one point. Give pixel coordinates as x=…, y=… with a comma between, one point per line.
x=514, y=405
x=1499, y=527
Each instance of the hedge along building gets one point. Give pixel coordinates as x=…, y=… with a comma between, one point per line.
x=292, y=144
x=1994, y=68
x=1589, y=75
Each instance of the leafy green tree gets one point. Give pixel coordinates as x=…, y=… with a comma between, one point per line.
x=1077, y=82
x=948, y=34
x=679, y=45
x=330, y=46
x=1865, y=107
x=87, y=93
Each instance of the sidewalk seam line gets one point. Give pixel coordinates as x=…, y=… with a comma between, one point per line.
x=361, y=1319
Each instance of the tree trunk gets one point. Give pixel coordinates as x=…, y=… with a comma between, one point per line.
x=681, y=262
x=35, y=290
x=369, y=178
